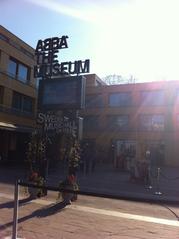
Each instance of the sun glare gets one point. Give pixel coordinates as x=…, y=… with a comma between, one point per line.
x=135, y=37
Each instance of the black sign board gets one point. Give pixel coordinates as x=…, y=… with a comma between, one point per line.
x=62, y=93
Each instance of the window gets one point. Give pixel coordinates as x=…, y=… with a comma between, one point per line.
x=1, y=94
x=177, y=121
x=22, y=103
x=93, y=101
x=27, y=104
x=3, y=37
x=22, y=73
x=18, y=70
x=152, y=122
x=120, y=99
x=125, y=146
x=17, y=101
x=12, y=68
x=118, y=122
x=177, y=97
x=91, y=122
x=152, y=97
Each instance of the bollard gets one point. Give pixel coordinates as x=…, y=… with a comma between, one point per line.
x=157, y=192
x=15, y=215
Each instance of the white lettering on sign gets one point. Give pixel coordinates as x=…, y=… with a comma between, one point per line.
x=58, y=124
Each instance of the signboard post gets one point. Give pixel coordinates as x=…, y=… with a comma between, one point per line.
x=61, y=89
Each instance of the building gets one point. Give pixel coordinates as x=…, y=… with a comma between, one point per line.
x=118, y=119
x=133, y=117
x=18, y=95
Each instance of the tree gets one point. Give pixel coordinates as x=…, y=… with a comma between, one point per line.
x=118, y=79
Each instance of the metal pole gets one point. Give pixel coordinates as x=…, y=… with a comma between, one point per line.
x=16, y=204
x=158, y=179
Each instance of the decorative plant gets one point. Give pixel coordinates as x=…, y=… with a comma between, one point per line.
x=36, y=151
x=36, y=179
x=74, y=157
x=36, y=156
x=69, y=183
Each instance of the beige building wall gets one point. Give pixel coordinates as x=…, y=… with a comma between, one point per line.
x=12, y=46
x=16, y=124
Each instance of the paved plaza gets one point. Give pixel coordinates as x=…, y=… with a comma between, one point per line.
x=93, y=217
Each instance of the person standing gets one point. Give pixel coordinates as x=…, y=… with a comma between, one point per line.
x=148, y=168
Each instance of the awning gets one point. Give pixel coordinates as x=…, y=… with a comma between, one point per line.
x=15, y=127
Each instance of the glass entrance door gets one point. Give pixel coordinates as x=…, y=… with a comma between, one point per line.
x=124, y=150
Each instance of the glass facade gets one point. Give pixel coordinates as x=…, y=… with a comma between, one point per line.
x=12, y=68
x=154, y=98
x=17, y=101
x=93, y=101
x=22, y=73
x=177, y=97
x=18, y=71
x=152, y=122
x=27, y=104
x=120, y=99
x=118, y=122
x=22, y=103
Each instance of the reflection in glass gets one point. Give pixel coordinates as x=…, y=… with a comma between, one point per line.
x=152, y=122
x=120, y=99
x=152, y=97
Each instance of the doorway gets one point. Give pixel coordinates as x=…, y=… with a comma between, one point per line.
x=124, y=149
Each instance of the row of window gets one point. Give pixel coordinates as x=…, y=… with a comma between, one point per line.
x=122, y=123
x=18, y=71
x=148, y=98
x=20, y=103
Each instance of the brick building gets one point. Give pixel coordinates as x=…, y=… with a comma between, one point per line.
x=131, y=117
x=117, y=118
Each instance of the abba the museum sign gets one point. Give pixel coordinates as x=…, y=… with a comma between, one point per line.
x=61, y=87
x=47, y=59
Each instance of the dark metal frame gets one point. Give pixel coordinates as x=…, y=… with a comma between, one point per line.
x=80, y=93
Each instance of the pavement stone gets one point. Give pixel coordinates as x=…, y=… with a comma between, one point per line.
x=36, y=222
x=70, y=224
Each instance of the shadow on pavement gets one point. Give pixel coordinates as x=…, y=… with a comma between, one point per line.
x=10, y=204
x=43, y=212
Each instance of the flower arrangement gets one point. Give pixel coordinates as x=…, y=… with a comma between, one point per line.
x=36, y=150
x=74, y=156
x=36, y=179
x=71, y=184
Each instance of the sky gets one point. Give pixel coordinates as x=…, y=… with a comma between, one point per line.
x=122, y=37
